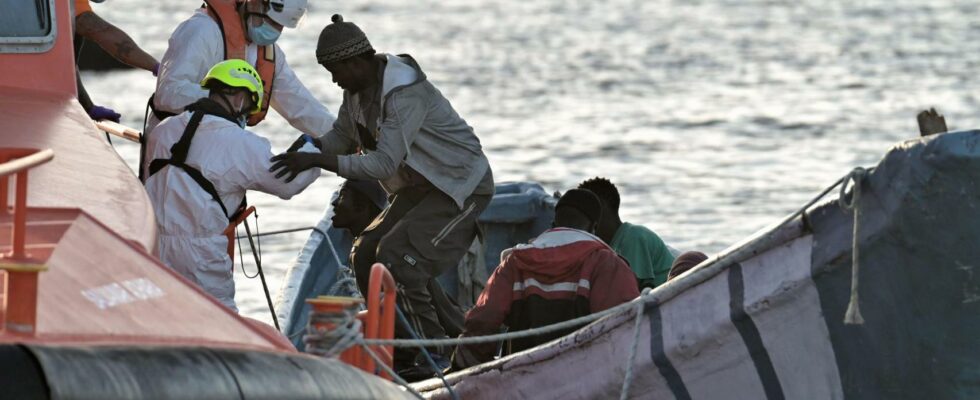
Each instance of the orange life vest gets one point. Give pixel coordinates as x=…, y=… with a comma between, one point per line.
x=225, y=13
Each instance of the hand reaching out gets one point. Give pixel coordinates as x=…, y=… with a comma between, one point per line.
x=99, y=113
x=293, y=163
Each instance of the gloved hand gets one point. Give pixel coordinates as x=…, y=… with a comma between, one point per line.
x=99, y=113
x=156, y=69
x=289, y=165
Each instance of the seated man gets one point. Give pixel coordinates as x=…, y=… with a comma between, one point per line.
x=686, y=261
x=647, y=254
x=358, y=204
x=564, y=273
x=203, y=163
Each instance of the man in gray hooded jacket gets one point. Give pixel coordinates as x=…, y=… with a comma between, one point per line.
x=395, y=127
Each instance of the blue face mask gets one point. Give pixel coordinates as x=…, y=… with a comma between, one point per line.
x=263, y=35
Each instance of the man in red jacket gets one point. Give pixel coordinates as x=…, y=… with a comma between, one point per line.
x=565, y=273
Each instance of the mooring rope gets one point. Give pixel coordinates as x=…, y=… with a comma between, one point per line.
x=344, y=276
x=398, y=379
x=428, y=357
x=345, y=332
x=853, y=314
x=324, y=342
x=283, y=231
x=628, y=379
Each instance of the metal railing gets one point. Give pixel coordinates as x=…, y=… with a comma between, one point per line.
x=20, y=294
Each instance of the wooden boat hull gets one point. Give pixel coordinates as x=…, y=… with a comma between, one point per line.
x=767, y=323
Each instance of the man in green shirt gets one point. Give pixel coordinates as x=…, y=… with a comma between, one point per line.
x=647, y=254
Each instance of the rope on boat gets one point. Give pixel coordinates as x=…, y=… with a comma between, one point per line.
x=345, y=332
x=624, y=393
x=853, y=314
x=282, y=231
x=398, y=379
x=330, y=334
x=257, y=254
x=508, y=335
x=345, y=277
x=428, y=357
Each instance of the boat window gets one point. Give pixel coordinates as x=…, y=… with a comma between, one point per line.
x=27, y=26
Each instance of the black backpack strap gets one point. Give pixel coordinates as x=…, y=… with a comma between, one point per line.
x=178, y=158
x=160, y=114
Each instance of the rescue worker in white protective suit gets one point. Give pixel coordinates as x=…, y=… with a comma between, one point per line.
x=237, y=29
x=203, y=162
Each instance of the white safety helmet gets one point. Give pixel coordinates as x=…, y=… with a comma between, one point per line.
x=288, y=13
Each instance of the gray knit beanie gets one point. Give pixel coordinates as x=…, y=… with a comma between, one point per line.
x=340, y=41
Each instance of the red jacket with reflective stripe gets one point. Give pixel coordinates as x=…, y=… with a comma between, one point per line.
x=562, y=274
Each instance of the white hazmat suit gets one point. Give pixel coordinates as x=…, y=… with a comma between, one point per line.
x=189, y=221
x=197, y=45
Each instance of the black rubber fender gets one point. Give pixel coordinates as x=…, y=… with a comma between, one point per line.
x=143, y=372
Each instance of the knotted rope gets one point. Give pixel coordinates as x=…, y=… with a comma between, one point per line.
x=329, y=334
x=624, y=393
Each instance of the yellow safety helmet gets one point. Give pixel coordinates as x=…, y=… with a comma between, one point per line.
x=239, y=74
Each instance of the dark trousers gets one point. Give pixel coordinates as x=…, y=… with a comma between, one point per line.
x=419, y=235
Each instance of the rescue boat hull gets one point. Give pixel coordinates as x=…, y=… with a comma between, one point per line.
x=133, y=372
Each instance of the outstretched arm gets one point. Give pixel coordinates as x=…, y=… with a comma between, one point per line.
x=258, y=177
x=95, y=112
x=113, y=40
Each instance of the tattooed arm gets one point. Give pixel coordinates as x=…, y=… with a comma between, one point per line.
x=113, y=40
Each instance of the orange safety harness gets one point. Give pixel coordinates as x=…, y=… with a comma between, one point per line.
x=225, y=13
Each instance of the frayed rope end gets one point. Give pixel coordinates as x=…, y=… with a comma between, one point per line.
x=853, y=314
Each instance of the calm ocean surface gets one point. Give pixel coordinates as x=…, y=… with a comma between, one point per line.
x=714, y=118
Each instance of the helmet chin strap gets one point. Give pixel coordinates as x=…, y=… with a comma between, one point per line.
x=236, y=111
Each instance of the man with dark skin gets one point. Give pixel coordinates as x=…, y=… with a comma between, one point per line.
x=395, y=127
x=648, y=255
x=564, y=273
x=358, y=203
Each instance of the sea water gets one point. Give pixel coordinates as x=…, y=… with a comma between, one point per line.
x=714, y=118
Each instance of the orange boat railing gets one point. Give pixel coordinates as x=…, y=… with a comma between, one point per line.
x=20, y=294
x=380, y=316
x=378, y=321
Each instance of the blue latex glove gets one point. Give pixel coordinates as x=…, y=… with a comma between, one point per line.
x=99, y=113
x=156, y=70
